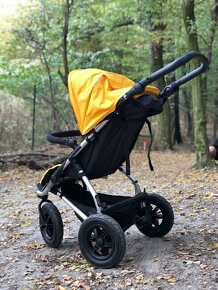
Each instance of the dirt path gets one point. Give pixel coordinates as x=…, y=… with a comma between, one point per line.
x=184, y=259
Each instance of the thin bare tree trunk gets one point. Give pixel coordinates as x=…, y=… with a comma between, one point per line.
x=64, y=76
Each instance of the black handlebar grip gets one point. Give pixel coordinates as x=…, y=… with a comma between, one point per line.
x=140, y=86
x=57, y=140
x=63, y=138
x=181, y=61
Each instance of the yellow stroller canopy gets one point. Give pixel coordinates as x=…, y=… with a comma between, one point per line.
x=94, y=94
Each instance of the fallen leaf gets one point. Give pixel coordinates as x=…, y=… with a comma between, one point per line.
x=61, y=288
x=214, y=246
x=170, y=279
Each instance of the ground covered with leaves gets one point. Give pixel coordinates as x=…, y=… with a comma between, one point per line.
x=185, y=258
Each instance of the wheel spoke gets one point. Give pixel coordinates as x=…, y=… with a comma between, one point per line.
x=96, y=249
x=108, y=244
x=156, y=223
x=100, y=233
x=149, y=207
x=157, y=213
x=106, y=250
x=94, y=234
x=104, y=235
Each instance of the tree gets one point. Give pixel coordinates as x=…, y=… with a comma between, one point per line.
x=214, y=101
x=132, y=37
x=163, y=131
x=198, y=88
x=41, y=33
x=64, y=76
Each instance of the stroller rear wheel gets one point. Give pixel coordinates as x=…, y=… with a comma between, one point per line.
x=161, y=217
x=51, y=225
x=102, y=241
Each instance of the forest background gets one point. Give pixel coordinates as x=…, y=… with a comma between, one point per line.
x=41, y=41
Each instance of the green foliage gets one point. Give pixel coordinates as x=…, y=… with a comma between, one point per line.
x=15, y=123
x=111, y=35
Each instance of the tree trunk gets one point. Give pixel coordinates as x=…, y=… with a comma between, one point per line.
x=64, y=76
x=175, y=118
x=214, y=20
x=177, y=138
x=198, y=90
x=162, y=138
x=215, y=119
x=163, y=133
x=215, y=122
x=188, y=116
x=52, y=95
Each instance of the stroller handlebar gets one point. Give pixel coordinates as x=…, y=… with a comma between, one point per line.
x=64, y=138
x=140, y=86
x=181, y=61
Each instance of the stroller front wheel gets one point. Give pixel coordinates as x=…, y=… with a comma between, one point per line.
x=51, y=225
x=161, y=217
x=102, y=241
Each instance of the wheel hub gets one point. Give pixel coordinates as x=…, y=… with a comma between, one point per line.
x=100, y=242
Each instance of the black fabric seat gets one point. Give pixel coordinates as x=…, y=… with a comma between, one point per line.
x=112, y=145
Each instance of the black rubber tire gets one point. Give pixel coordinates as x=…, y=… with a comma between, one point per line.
x=161, y=216
x=52, y=230
x=102, y=241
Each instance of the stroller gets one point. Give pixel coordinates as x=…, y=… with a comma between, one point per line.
x=108, y=134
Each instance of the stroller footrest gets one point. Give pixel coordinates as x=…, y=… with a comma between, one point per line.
x=41, y=192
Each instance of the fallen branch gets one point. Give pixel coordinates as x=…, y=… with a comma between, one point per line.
x=33, y=160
